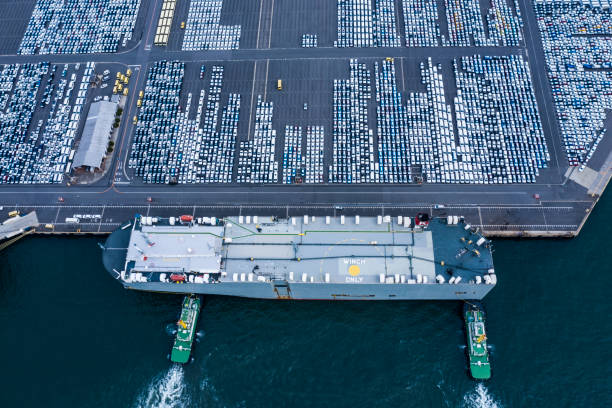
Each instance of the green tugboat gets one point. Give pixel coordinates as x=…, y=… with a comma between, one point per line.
x=474, y=316
x=186, y=329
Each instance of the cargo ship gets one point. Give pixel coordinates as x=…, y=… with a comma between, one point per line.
x=306, y=257
x=478, y=355
x=185, y=331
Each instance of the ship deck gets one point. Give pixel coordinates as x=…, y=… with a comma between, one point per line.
x=308, y=249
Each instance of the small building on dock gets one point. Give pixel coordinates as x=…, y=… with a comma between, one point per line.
x=96, y=135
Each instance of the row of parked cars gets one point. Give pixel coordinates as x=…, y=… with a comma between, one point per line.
x=353, y=140
x=498, y=136
x=215, y=158
x=308, y=168
x=393, y=146
x=386, y=33
x=504, y=23
x=313, y=162
x=168, y=146
x=223, y=146
x=578, y=55
x=20, y=85
x=421, y=23
x=256, y=163
x=498, y=120
x=465, y=22
x=154, y=137
x=292, y=155
x=60, y=131
x=44, y=153
x=310, y=40
x=360, y=25
x=433, y=148
x=204, y=31
x=75, y=26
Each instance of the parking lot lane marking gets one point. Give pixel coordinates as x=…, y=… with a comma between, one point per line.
x=533, y=70
x=544, y=217
x=266, y=83
x=130, y=108
x=101, y=217
x=271, y=22
x=403, y=79
x=57, y=214
x=151, y=22
x=259, y=23
x=252, y=95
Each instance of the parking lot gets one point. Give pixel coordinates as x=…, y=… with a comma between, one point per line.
x=578, y=53
x=42, y=110
x=376, y=23
x=211, y=21
x=76, y=27
x=413, y=127
x=14, y=16
x=460, y=100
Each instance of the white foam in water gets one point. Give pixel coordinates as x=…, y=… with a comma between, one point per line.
x=167, y=391
x=480, y=398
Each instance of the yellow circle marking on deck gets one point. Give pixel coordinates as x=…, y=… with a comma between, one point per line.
x=354, y=270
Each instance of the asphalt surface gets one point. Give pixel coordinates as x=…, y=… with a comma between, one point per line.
x=269, y=50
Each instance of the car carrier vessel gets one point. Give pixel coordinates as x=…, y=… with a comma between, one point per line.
x=305, y=257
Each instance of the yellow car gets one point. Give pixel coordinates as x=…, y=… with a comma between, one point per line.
x=135, y=121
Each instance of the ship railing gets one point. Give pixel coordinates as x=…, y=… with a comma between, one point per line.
x=275, y=276
x=160, y=270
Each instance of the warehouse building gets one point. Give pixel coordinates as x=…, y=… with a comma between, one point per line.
x=96, y=135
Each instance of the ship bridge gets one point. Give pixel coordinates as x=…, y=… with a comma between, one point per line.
x=163, y=248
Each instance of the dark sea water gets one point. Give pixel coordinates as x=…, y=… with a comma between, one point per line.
x=73, y=337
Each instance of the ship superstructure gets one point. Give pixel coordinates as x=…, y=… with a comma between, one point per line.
x=307, y=257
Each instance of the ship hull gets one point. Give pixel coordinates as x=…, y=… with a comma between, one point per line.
x=323, y=291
